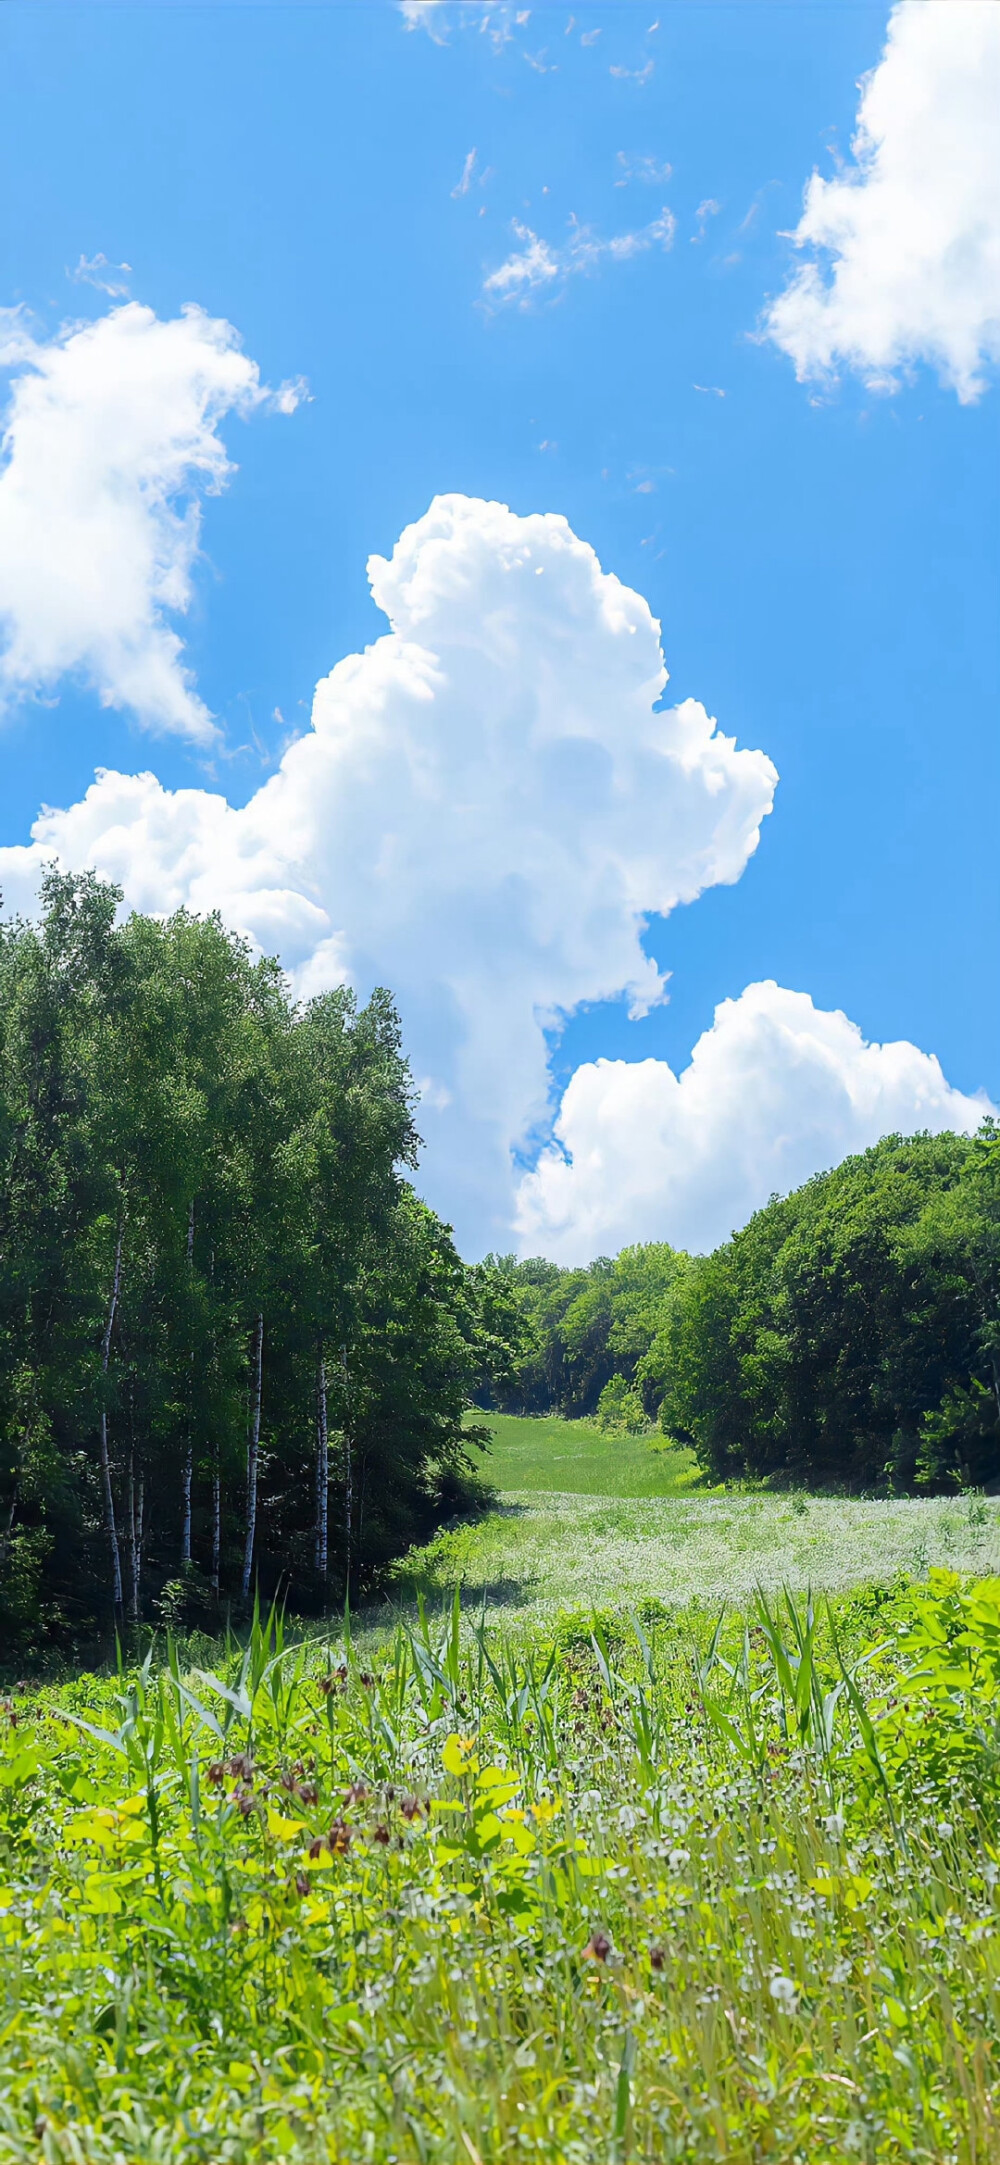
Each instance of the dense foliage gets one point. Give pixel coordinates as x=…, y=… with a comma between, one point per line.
x=589, y=1328
x=622, y=1892
x=849, y=1336
x=233, y=1345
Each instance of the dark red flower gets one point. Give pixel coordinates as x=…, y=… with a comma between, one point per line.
x=598, y=1947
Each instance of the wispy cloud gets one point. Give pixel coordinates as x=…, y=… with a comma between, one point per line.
x=709, y=209
x=526, y=271
x=647, y=169
x=498, y=23
x=633, y=75
x=426, y=15
x=468, y=169
x=712, y=390
x=537, y=267
x=110, y=278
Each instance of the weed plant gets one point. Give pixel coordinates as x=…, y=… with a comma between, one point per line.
x=665, y=1888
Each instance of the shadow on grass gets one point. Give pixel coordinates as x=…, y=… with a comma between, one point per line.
x=433, y=1578
x=439, y=1593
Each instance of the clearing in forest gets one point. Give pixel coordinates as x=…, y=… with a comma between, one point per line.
x=574, y=1522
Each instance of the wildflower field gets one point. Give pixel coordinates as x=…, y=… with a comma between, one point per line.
x=665, y=1886
x=529, y=1557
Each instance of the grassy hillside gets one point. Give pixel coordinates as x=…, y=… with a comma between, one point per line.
x=579, y=1459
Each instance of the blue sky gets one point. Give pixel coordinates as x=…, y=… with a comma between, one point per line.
x=822, y=555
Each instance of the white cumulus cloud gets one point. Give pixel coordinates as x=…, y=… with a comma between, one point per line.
x=487, y=807
x=110, y=437
x=776, y=1090
x=908, y=237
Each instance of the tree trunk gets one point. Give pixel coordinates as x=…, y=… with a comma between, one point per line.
x=187, y=1470
x=109, y=1501
x=253, y=1445
x=348, y=1474
x=322, y=1469
x=987, y=1331
x=216, y=1520
x=141, y=1517
x=362, y=1487
x=216, y=1455
x=9, y=1528
x=133, y=1542
x=136, y=1502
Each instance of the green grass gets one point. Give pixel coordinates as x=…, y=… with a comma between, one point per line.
x=578, y=1458
x=523, y=1896
x=542, y=1884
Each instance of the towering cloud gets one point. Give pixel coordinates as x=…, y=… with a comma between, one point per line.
x=487, y=807
x=489, y=804
x=903, y=246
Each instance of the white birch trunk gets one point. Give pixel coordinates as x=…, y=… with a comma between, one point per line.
x=133, y=1542
x=322, y=1470
x=253, y=1446
x=348, y=1474
x=109, y=1501
x=216, y=1522
x=187, y=1470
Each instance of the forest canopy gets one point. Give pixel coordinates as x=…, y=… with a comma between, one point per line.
x=235, y=1348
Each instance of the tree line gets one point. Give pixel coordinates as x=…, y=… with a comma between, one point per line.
x=848, y=1337
x=236, y=1351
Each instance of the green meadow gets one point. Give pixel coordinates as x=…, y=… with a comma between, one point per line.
x=580, y=1515
x=580, y=1459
